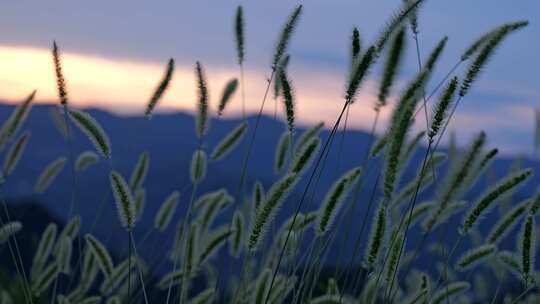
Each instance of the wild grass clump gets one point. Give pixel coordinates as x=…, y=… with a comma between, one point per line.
x=93, y=130
x=160, y=90
x=268, y=209
x=124, y=200
x=391, y=227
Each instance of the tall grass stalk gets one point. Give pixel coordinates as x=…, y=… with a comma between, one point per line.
x=63, y=96
x=281, y=49
x=184, y=223
x=15, y=254
x=304, y=193
x=355, y=199
x=239, y=27
x=8, y=131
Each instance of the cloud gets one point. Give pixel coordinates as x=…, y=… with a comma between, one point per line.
x=124, y=86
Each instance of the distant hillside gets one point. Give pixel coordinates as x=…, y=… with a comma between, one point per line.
x=170, y=140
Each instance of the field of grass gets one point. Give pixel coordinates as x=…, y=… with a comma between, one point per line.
x=254, y=258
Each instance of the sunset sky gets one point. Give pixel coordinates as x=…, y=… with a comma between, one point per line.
x=115, y=53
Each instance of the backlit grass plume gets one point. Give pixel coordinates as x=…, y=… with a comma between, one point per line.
x=393, y=62
x=140, y=202
x=419, y=211
x=478, y=43
x=483, y=205
x=356, y=44
x=377, y=236
x=285, y=36
x=124, y=200
x=216, y=204
x=90, y=269
x=369, y=290
x=448, y=291
x=258, y=195
x=203, y=297
x=201, y=123
x=208, y=199
x=475, y=256
x=453, y=186
x=481, y=165
x=63, y=259
x=511, y=262
x=239, y=34
x=268, y=210
x=198, y=166
x=15, y=153
x=91, y=300
x=535, y=204
x=379, y=146
x=15, y=120
x=227, y=94
x=413, y=18
x=421, y=295
x=397, y=134
x=60, y=81
x=166, y=211
x=9, y=229
x=91, y=128
x=281, y=152
x=410, y=148
x=214, y=242
x=191, y=257
x=44, y=248
x=262, y=286
x=304, y=157
x=170, y=279
x=45, y=279
x=334, y=199
x=488, y=157
x=114, y=300
x=487, y=51
x=402, y=118
x=227, y=144
x=282, y=65
x=422, y=179
x=435, y=55
x=393, y=259
x=119, y=274
x=358, y=73
x=506, y=223
x=395, y=21
x=418, y=83
x=162, y=87
x=71, y=230
x=49, y=174
x=102, y=256
x=237, y=237
x=441, y=109
x=140, y=171
x=307, y=135
x=288, y=98
x=85, y=160
x=527, y=244
x=282, y=288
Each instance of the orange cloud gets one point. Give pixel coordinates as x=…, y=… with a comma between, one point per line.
x=124, y=86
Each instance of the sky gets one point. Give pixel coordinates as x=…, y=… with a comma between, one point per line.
x=114, y=54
